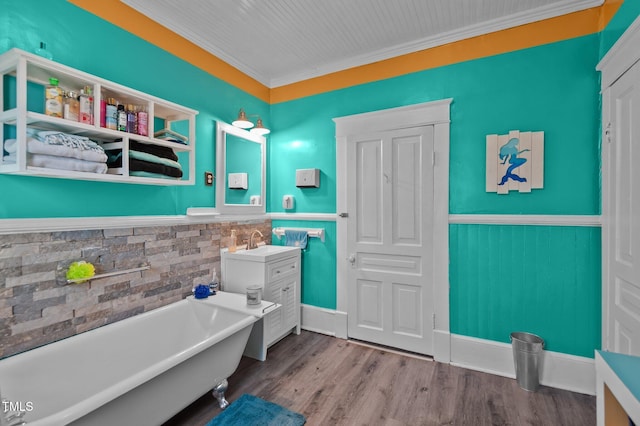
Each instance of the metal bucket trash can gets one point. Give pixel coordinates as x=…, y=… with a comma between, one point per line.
x=527, y=348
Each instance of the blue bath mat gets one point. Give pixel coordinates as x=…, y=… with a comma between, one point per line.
x=249, y=410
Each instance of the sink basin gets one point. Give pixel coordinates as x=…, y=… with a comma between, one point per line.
x=265, y=253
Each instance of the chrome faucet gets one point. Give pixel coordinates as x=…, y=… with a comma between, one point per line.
x=251, y=244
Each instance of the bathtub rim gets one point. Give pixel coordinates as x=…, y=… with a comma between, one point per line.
x=93, y=402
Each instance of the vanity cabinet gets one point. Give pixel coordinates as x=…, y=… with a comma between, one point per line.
x=277, y=270
x=148, y=158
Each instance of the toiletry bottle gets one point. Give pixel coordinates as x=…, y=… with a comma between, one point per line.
x=214, y=285
x=65, y=104
x=86, y=105
x=143, y=121
x=122, y=118
x=111, y=119
x=103, y=110
x=233, y=241
x=71, y=105
x=132, y=119
x=53, y=99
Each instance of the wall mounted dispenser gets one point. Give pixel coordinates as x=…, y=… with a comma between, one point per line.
x=237, y=180
x=308, y=178
x=287, y=202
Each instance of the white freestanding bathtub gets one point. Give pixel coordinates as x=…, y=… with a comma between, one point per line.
x=138, y=371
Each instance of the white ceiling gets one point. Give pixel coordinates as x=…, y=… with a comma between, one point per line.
x=278, y=42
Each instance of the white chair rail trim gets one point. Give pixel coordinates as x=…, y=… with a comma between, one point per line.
x=524, y=219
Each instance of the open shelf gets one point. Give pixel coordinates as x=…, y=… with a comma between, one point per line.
x=29, y=74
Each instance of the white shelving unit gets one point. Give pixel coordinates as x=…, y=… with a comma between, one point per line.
x=32, y=73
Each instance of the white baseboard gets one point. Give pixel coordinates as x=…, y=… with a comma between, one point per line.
x=558, y=370
x=318, y=320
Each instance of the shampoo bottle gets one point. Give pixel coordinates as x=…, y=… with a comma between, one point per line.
x=111, y=119
x=121, y=121
x=132, y=119
x=233, y=241
x=143, y=120
x=103, y=110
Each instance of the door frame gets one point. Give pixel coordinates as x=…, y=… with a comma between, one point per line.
x=436, y=114
x=619, y=59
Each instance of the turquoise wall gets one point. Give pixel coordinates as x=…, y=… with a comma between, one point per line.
x=318, y=263
x=553, y=88
x=83, y=41
x=540, y=279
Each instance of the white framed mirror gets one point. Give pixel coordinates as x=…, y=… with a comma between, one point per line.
x=242, y=155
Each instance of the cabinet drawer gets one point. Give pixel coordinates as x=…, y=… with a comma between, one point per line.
x=286, y=267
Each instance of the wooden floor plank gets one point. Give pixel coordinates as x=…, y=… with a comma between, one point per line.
x=336, y=382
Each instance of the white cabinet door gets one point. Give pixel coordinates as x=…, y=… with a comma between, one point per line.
x=273, y=322
x=280, y=322
x=290, y=305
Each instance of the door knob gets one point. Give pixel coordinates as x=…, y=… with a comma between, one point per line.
x=352, y=258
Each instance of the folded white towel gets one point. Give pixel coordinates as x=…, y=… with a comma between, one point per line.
x=34, y=146
x=11, y=158
x=65, y=163
x=10, y=145
x=52, y=143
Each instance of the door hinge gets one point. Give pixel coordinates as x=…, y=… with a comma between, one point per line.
x=434, y=321
x=433, y=158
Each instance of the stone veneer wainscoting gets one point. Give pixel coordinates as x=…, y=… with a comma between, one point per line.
x=37, y=307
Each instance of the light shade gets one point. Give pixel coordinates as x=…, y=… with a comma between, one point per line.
x=242, y=121
x=260, y=129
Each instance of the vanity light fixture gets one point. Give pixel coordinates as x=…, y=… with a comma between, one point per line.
x=260, y=129
x=243, y=122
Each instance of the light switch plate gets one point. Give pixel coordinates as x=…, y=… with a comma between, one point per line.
x=208, y=178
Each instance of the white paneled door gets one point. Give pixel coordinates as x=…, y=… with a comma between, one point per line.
x=621, y=210
x=390, y=246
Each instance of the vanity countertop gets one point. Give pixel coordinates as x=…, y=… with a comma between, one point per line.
x=266, y=253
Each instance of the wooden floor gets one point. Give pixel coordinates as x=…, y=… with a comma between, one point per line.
x=335, y=382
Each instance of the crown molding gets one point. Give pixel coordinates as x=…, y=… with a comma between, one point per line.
x=494, y=25
x=622, y=55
